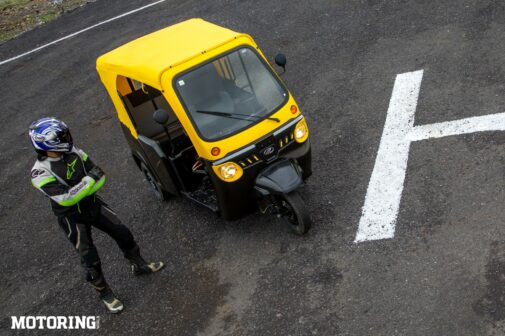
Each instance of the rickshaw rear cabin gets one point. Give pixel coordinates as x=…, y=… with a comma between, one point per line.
x=207, y=117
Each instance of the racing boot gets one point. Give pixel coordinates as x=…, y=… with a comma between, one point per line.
x=139, y=266
x=110, y=301
x=97, y=280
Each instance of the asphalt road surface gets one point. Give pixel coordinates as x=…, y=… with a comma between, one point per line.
x=443, y=272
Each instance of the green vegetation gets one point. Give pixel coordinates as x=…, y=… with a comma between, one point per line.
x=18, y=16
x=12, y=3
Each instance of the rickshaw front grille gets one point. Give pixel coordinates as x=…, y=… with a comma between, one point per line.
x=247, y=161
x=285, y=140
x=276, y=143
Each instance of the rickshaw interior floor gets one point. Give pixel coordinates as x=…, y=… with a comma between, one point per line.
x=205, y=195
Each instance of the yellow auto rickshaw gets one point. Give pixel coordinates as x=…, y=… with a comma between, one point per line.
x=207, y=117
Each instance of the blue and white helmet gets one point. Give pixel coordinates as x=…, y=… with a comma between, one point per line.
x=50, y=134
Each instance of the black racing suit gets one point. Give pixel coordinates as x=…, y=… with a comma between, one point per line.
x=71, y=182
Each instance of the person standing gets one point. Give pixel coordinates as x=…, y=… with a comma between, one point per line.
x=67, y=176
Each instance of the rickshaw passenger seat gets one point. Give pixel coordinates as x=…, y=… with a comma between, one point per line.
x=143, y=115
x=142, y=107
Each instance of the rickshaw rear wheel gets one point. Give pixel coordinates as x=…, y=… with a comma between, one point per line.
x=294, y=213
x=159, y=193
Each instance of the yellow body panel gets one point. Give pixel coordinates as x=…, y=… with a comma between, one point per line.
x=146, y=58
x=156, y=59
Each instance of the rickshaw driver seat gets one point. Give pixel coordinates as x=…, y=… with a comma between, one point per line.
x=201, y=86
x=206, y=90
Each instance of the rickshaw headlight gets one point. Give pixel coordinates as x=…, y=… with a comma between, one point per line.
x=228, y=171
x=301, y=131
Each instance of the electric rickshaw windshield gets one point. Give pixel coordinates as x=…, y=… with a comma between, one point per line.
x=229, y=94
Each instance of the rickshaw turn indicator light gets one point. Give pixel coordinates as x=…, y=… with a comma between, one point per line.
x=228, y=172
x=301, y=131
x=215, y=151
x=294, y=109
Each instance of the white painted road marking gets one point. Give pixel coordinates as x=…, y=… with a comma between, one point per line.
x=490, y=122
x=386, y=184
x=382, y=200
x=80, y=32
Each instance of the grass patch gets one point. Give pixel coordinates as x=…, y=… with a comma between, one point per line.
x=18, y=16
x=12, y=4
x=48, y=17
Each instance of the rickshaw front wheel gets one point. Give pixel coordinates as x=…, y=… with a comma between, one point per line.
x=293, y=212
x=159, y=193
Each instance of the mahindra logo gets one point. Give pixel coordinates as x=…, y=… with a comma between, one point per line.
x=269, y=150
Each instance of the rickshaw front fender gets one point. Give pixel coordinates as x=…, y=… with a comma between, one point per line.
x=281, y=177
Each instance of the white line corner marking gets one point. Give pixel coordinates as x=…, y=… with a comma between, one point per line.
x=81, y=31
x=382, y=200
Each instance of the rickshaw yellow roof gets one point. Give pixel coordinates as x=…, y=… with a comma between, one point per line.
x=146, y=58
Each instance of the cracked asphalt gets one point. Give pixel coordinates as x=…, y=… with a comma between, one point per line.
x=442, y=274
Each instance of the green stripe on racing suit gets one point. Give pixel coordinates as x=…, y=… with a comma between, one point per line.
x=65, y=181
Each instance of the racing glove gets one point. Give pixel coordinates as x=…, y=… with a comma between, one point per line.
x=96, y=173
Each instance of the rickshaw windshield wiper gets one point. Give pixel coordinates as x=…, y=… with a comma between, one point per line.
x=237, y=116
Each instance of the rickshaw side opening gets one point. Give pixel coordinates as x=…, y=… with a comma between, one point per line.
x=165, y=150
